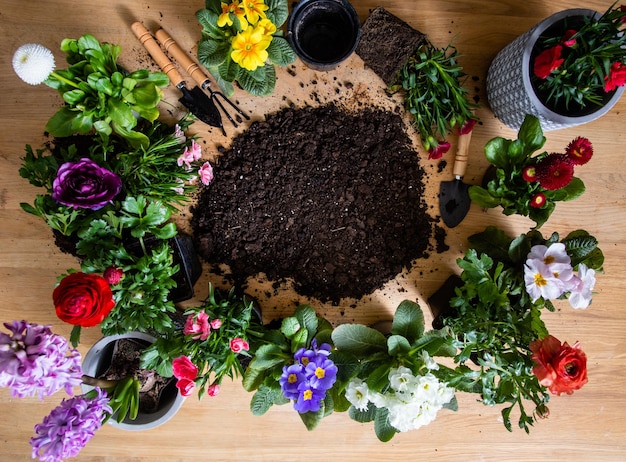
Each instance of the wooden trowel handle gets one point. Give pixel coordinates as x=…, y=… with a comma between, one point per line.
x=183, y=58
x=147, y=40
x=462, y=150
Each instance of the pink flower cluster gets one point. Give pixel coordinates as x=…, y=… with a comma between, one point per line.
x=548, y=273
x=194, y=154
x=200, y=326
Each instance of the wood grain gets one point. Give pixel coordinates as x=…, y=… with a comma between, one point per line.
x=587, y=426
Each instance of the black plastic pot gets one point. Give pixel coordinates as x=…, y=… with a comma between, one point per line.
x=184, y=255
x=323, y=33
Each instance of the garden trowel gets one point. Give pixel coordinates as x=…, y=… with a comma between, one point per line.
x=454, y=200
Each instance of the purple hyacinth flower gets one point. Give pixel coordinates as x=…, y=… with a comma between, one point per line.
x=69, y=427
x=309, y=398
x=84, y=184
x=291, y=379
x=321, y=374
x=35, y=361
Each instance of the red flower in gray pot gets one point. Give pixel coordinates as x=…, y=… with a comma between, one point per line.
x=86, y=185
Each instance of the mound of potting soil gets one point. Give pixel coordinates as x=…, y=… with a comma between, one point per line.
x=324, y=196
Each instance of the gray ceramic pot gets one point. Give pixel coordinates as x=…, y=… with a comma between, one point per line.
x=97, y=361
x=509, y=90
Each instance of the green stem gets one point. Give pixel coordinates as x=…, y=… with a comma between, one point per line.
x=60, y=78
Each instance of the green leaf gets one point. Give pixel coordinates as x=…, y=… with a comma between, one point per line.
x=212, y=53
x=495, y=151
x=262, y=400
x=363, y=416
x=383, y=429
x=531, y=135
x=75, y=336
x=277, y=12
x=312, y=419
x=280, y=52
x=268, y=356
x=60, y=124
x=481, y=196
x=358, y=340
x=260, y=82
x=408, y=321
x=398, y=345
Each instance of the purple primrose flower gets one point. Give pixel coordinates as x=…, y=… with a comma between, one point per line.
x=307, y=381
x=69, y=427
x=86, y=185
x=35, y=361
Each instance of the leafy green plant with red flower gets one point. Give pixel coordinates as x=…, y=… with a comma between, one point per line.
x=528, y=183
x=432, y=85
x=577, y=65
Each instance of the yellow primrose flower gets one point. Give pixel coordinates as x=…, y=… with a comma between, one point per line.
x=249, y=48
x=235, y=8
x=268, y=26
x=254, y=9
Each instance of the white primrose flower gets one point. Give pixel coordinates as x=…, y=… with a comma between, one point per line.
x=429, y=362
x=357, y=394
x=580, y=293
x=402, y=379
x=33, y=63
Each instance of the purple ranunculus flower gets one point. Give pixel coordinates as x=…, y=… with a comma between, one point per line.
x=86, y=185
x=35, y=361
x=291, y=378
x=69, y=427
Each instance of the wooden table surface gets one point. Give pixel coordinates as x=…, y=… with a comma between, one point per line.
x=587, y=426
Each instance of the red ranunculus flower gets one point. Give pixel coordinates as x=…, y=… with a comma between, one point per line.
x=83, y=299
x=616, y=77
x=547, y=61
x=579, y=150
x=567, y=39
x=436, y=152
x=560, y=367
x=555, y=171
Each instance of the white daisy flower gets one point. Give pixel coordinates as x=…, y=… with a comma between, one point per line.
x=33, y=63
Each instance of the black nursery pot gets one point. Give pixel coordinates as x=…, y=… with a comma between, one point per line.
x=323, y=33
x=439, y=302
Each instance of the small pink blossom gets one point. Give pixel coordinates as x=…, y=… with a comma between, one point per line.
x=206, y=173
x=179, y=134
x=113, y=275
x=198, y=325
x=238, y=344
x=216, y=323
x=437, y=151
x=186, y=386
x=213, y=390
x=190, y=155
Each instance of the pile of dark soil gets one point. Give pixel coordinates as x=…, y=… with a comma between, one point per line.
x=326, y=197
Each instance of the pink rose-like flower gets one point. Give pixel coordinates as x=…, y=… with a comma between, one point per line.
x=238, y=344
x=206, y=173
x=86, y=185
x=186, y=372
x=213, y=389
x=198, y=325
x=186, y=386
x=216, y=323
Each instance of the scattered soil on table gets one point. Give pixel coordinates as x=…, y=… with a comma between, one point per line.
x=327, y=197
